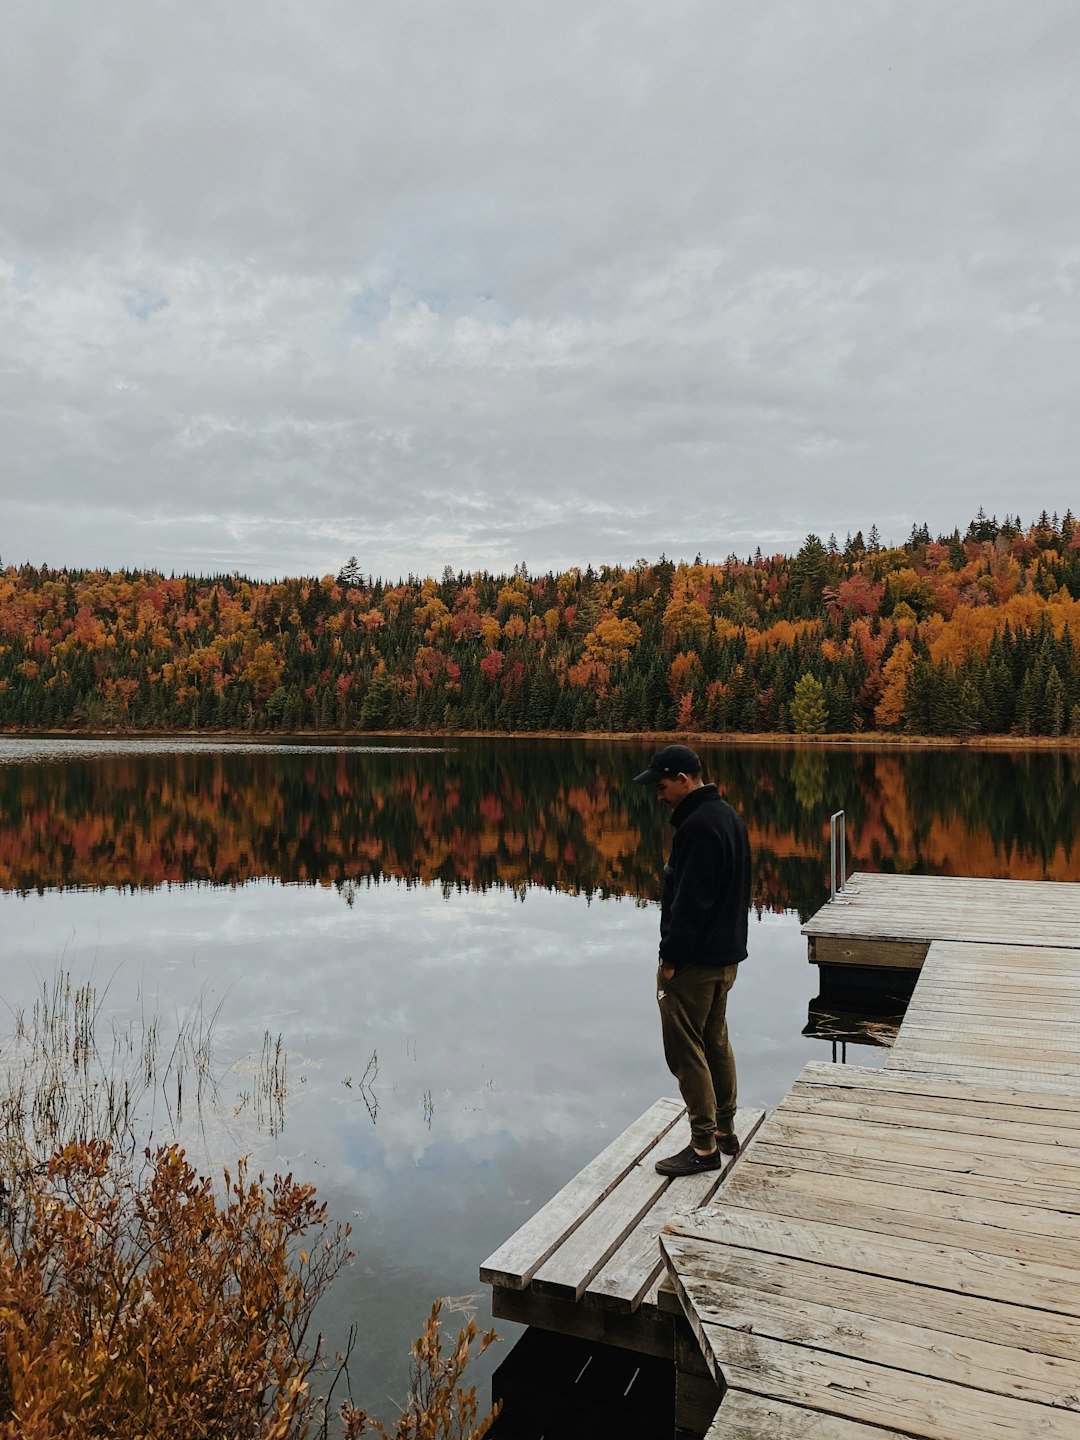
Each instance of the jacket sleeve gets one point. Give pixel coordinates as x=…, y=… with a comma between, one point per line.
x=693, y=902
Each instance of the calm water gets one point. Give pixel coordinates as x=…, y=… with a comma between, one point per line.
x=455, y=944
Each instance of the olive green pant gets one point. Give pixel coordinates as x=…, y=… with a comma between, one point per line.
x=693, y=1019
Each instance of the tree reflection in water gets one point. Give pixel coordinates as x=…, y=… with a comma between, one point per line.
x=561, y=815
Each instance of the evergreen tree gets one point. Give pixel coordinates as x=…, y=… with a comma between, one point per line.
x=809, y=712
x=808, y=577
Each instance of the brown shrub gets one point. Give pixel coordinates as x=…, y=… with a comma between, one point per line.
x=140, y=1303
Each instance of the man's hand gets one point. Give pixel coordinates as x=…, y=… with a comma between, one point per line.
x=667, y=972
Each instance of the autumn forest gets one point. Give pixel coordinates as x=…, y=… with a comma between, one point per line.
x=977, y=632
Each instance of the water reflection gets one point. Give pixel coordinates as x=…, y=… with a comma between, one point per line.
x=512, y=1019
x=557, y=815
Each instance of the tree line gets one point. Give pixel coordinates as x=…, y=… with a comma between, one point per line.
x=968, y=633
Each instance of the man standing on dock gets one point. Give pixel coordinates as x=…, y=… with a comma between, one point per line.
x=703, y=922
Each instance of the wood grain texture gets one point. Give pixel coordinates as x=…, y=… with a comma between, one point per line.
x=894, y=1245
x=910, y=908
x=627, y=1276
x=514, y=1263
x=743, y=1416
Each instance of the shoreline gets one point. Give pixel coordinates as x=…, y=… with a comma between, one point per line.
x=869, y=740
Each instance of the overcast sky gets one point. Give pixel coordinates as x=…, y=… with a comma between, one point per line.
x=479, y=283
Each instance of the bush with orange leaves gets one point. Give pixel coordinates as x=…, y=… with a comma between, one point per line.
x=138, y=1302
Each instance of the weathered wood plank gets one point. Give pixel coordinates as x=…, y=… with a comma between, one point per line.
x=1047, y=1064
x=1042, y=1346
x=917, y=1349
x=865, y=953
x=864, y=1392
x=819, y=1072
x=645, y=1332
x=987, y=1049
x=1049, y=1164
x=958, y=1182
x=626, y=1278
x=965, y=1270
x=973, y=1073
x=961, y=1120
x=1004, y=961
x=584, y=1252
x=901, y=1097
x=1013, y=1217
x=743, y=1416
x=517, y=1259
x=1024, y=1236
x=968, y=999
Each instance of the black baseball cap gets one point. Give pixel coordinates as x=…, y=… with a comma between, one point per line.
x=671, y=760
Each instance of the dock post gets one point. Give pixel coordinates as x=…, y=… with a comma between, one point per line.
x=697, y=1395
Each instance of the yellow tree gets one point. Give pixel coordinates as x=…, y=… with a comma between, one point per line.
x=809, y=712
x=890, y=708
x=612, y=639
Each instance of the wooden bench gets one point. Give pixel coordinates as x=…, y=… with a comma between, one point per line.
x=588, y=1263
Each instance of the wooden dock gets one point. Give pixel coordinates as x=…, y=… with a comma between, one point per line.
x=890, y=921
x=588, y=1263
x=896, y=1256
x=1006, y=1014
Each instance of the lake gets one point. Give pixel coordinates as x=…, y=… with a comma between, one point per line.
x=426, y=967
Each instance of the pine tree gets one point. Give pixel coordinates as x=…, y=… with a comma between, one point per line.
x=808, y=576
x=1054, y=703
x=809, y=712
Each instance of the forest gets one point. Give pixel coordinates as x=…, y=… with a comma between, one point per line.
x=971, y=633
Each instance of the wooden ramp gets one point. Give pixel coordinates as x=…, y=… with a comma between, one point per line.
x=890, y=920
x=895, y=1255
x=1005, y=1014
x=588, y=1263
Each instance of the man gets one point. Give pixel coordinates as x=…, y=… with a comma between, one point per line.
x=703, y=917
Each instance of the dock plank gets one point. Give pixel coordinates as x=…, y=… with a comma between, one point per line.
x=960, y=1181
x=1041, y=1097
x=1023, y=913
x=1025, y=1235
x=860, y=1391
x=934, y=1100
x=916, y=1348
x=1036, y=1163
x=961, y=1120
x=1013, y=1217
x=584, y=1252
x=929, y=1064
x=959, y=1268
x=743, y=1416
x=515, y=1262
x=626, y=1278
x=1040, y=1345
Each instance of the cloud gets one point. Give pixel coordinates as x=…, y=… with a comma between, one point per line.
x=478, y=284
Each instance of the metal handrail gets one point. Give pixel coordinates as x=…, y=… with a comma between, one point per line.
x=838, y=823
